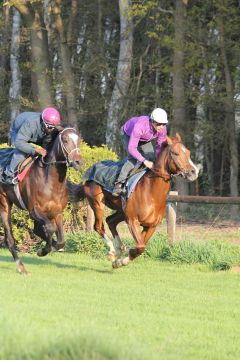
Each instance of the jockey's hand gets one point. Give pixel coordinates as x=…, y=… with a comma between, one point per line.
x=42, y=152
x=148, y=164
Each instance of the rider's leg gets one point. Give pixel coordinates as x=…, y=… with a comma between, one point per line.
x=17, y=158
x=145, y=148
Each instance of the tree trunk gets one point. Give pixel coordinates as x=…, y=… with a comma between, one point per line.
x=179, y=102
x=4, y=71
x=68, y=79
x=15, y=86
x=122, y=76
x=230, y=118
x=32, y=16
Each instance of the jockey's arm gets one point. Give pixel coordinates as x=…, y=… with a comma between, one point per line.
x=133, y=147
x=23, y=137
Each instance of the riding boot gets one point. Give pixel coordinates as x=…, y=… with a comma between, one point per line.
x=117, y=190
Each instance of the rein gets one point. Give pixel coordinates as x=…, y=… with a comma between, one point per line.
x=64, y=150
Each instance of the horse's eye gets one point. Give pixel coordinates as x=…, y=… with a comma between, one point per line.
x=175, y=153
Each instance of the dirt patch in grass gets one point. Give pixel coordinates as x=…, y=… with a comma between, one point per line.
x=235, y=269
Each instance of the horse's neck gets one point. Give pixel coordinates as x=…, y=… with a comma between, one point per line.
x=54, y=164
x=161, y=163
x=54, y=152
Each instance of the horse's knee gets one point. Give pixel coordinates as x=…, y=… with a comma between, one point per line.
x=50, y=227
x=99, y=229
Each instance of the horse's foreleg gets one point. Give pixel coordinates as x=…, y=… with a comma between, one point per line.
x=147, y=233
x=5, y=209
x=112, y=221
x=44, y=228
x=134, y=228
x=59, y=244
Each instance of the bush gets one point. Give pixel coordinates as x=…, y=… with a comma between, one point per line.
x=89, y=243
x=218, y=255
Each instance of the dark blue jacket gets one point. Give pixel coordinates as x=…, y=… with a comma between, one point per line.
x=27, y=128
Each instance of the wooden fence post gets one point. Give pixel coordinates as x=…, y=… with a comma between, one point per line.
x=171, y=219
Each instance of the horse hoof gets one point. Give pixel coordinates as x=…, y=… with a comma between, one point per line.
x=21, y=268
x=125, y=261
x=111, y=257
x=117, y=264
x=39, y=252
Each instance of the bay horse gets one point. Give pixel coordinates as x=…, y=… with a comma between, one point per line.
x=43, y=193
x=145, y=207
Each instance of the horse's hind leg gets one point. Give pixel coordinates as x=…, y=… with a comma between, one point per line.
x=112, y=221
x=98, y=208
x=5, y=210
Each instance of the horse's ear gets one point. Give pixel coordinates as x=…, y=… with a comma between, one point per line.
x=178, y=137
x=59, y=128
x=169, y=141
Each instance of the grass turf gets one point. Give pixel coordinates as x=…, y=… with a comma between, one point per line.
x=75, y=307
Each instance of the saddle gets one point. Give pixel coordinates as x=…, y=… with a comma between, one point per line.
x=24, y=164
x=23, y=168
x=105, y=173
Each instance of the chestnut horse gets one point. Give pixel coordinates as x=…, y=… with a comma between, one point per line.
x=43, y=193
x=145, y=207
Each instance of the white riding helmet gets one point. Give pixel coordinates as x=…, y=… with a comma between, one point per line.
x=159, y=115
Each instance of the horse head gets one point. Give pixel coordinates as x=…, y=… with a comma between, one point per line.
x=68, y=147
x=179, y=162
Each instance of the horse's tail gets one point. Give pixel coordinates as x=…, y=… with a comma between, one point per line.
x=75, y=192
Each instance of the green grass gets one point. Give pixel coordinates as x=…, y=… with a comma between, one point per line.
x=75, y=307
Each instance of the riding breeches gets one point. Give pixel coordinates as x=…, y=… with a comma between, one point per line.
x=17, y=158
x=145, y=148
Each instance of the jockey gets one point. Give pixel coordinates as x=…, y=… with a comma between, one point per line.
x=138, y=134
x=30, y=128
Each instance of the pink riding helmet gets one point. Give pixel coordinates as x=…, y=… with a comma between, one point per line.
x=51, y=116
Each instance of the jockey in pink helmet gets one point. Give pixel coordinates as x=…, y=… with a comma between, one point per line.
x=51, y=116
x=28, y=129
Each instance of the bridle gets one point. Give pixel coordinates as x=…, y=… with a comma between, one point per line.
x=66, y=153
x=170, y=156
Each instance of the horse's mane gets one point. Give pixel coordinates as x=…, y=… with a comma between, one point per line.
x=164, y=145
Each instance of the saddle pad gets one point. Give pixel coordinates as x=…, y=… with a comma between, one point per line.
x=104, y=173
x=133, y=180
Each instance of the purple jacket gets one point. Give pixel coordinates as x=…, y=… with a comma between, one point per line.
x=140, y=129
